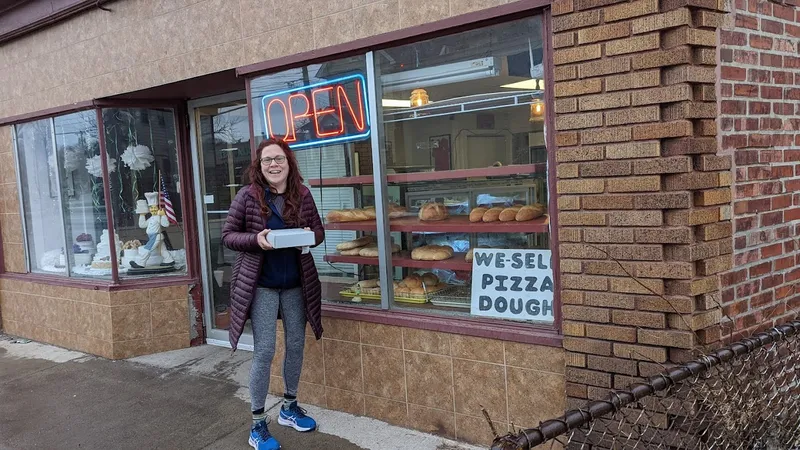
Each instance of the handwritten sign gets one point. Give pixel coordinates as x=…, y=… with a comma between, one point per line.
x=318, y=114
x=512, y=284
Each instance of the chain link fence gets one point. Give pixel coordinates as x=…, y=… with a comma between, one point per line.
x=744, y=396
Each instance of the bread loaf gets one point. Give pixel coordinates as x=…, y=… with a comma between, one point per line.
x=351, y=252
x=509, y=214
x=432, y=212
x=372, y=251
x=417, y=291
x=368, y=284
x=493, y=214
x=349, y=215
x=356, y=243
x=476, y=215
x=530, y=212
x=430, y=280
x=370, y=212
x=432, y=253
x=394, y=283
x=412, y=281
x=396, y=210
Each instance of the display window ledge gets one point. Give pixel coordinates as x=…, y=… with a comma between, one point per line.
x=99, y=284
x=536, y=334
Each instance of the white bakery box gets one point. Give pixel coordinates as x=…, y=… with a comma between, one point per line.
x=292, y=237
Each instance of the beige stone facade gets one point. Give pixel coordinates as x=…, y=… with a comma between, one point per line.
x=146, y=43
x=114, y=325
x=435, y=382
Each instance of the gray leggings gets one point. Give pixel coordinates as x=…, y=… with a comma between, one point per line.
x=264, y=316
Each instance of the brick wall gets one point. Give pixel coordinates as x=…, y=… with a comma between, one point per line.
x=759, y=123
x=644, y=199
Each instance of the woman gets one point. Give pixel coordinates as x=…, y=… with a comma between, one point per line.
x=269, y=283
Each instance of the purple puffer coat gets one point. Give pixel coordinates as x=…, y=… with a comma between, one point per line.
x=239, y=233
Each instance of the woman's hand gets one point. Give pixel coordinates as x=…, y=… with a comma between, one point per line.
x=262, y=240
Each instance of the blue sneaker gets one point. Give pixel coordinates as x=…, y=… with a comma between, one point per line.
x=260, y=439
x=296, y=417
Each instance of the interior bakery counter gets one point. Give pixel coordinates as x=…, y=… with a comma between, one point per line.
x=453, y=224
x=400, y=178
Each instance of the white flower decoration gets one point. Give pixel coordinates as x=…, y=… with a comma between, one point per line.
x=95, y=167
x=137, y=157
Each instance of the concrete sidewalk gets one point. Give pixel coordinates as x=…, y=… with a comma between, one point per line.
x=188, y=399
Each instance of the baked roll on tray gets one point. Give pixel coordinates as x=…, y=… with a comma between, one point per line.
x=416, y=285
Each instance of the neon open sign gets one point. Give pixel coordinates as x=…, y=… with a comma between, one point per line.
x=323, y=113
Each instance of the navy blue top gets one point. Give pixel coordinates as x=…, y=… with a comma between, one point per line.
x=281, y=268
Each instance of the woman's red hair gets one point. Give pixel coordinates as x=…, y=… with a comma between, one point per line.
x=294, y=183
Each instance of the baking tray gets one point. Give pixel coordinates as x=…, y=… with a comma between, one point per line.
x=375, y=294
x=453, y=297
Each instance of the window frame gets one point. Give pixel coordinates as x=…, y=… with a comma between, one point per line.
x=186, y=196
x=527, y=332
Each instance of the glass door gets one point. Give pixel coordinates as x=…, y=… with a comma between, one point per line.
x=221, y=140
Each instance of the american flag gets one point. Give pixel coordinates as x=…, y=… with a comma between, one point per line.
x=164, y=199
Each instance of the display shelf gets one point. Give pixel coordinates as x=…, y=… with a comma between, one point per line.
x=398, y=178
x=403, y=259
x=453, y=224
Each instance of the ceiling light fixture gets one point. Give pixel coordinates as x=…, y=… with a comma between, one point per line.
x=419, y=97
x=537, y=111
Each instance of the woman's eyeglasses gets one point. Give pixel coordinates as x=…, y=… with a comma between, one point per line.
x=278, y=159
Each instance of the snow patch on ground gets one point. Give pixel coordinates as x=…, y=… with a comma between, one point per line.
x=25, y=349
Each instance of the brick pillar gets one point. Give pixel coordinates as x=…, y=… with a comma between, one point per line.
x=643, y=197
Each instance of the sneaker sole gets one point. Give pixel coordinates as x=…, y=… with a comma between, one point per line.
x=254, y=444
x=289, y=423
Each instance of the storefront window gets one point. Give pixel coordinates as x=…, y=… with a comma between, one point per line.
x=82, y=196
x=466, y=158
x=322, y=111
x=145, y=194
x=462, y=136
x=62, y=193
x=40, y=197
x=461, y=132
